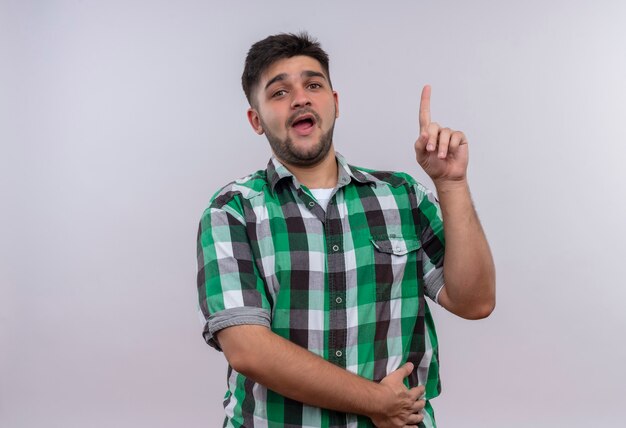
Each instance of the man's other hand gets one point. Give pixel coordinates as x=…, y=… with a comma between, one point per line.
x=396, y=405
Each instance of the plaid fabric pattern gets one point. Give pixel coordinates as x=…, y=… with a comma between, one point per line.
x=347, y=283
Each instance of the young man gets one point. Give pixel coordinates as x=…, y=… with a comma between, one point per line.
x=313, y=272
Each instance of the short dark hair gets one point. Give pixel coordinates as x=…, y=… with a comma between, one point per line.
x=265, y=52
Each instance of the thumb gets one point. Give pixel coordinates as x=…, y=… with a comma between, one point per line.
x=406, y=369
x=422, y=140
x=399, y=374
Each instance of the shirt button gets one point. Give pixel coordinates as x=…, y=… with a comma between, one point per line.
x=311, y=204
x=338, y=353
x=335, y=247
x=338, y=300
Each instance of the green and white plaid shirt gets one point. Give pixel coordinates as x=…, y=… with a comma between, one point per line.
x=347, y=283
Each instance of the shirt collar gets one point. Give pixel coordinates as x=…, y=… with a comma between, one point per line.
x=276, y=171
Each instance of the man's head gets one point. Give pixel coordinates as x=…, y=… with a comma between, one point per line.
x=291, y=98
x=265, y=52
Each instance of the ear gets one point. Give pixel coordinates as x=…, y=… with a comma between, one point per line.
x=336, y=97
x=255, y=120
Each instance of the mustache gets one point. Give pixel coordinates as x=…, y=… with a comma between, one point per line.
x=305, y=110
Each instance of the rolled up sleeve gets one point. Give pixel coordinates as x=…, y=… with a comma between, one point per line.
x=230, y=289
x=433, y=243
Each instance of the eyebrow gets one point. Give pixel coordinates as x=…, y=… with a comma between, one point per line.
x=283, y=76
x=310, y=73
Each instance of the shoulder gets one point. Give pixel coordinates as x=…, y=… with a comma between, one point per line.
x=243, y=188
x=231, y=197
x=395, y=179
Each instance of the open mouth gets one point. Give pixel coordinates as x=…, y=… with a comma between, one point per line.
x=304, y=123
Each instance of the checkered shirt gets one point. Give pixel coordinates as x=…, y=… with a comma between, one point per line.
x=347, y=283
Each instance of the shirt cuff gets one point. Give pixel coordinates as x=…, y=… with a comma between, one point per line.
x=437, y=295
x=433, y=283
x=231, y=317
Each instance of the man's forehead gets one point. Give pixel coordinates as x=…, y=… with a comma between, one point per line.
x=291, y=67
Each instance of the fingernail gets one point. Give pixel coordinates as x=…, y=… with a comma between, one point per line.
x=430, y=147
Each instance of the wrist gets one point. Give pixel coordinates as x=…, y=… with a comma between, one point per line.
x=375, y=396
x=451, y=186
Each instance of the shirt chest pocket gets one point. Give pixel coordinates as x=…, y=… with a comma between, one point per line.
x=397, y=267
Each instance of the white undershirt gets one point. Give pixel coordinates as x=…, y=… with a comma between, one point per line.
x=322, y=196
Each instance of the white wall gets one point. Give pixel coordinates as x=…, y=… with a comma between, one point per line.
x=119, y=119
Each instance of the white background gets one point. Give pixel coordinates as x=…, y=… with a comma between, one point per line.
x=119, y=120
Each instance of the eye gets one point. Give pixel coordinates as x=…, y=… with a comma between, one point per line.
x=314, y=86
x=279, y=93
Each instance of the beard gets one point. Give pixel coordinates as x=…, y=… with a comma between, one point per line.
x=286, y=151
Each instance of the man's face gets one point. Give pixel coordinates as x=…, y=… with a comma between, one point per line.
x=296, y=109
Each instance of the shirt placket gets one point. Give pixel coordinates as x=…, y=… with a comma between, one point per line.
x=333, y=231
x=336, y=296
x=335, y=257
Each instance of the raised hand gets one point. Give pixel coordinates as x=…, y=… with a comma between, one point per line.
x=398, y=406
x=441, y=152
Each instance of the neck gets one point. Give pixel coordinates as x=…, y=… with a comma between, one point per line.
x=322, y=175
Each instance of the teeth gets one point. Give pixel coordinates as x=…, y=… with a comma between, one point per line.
x=310, y=119
x=306, y=119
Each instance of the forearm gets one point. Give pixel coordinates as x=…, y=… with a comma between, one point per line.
x=469, y=271
x=294, y=372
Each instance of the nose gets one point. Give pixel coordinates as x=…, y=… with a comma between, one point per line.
x=300, y=98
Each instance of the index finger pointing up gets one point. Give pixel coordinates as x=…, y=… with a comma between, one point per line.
x=425, y=108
